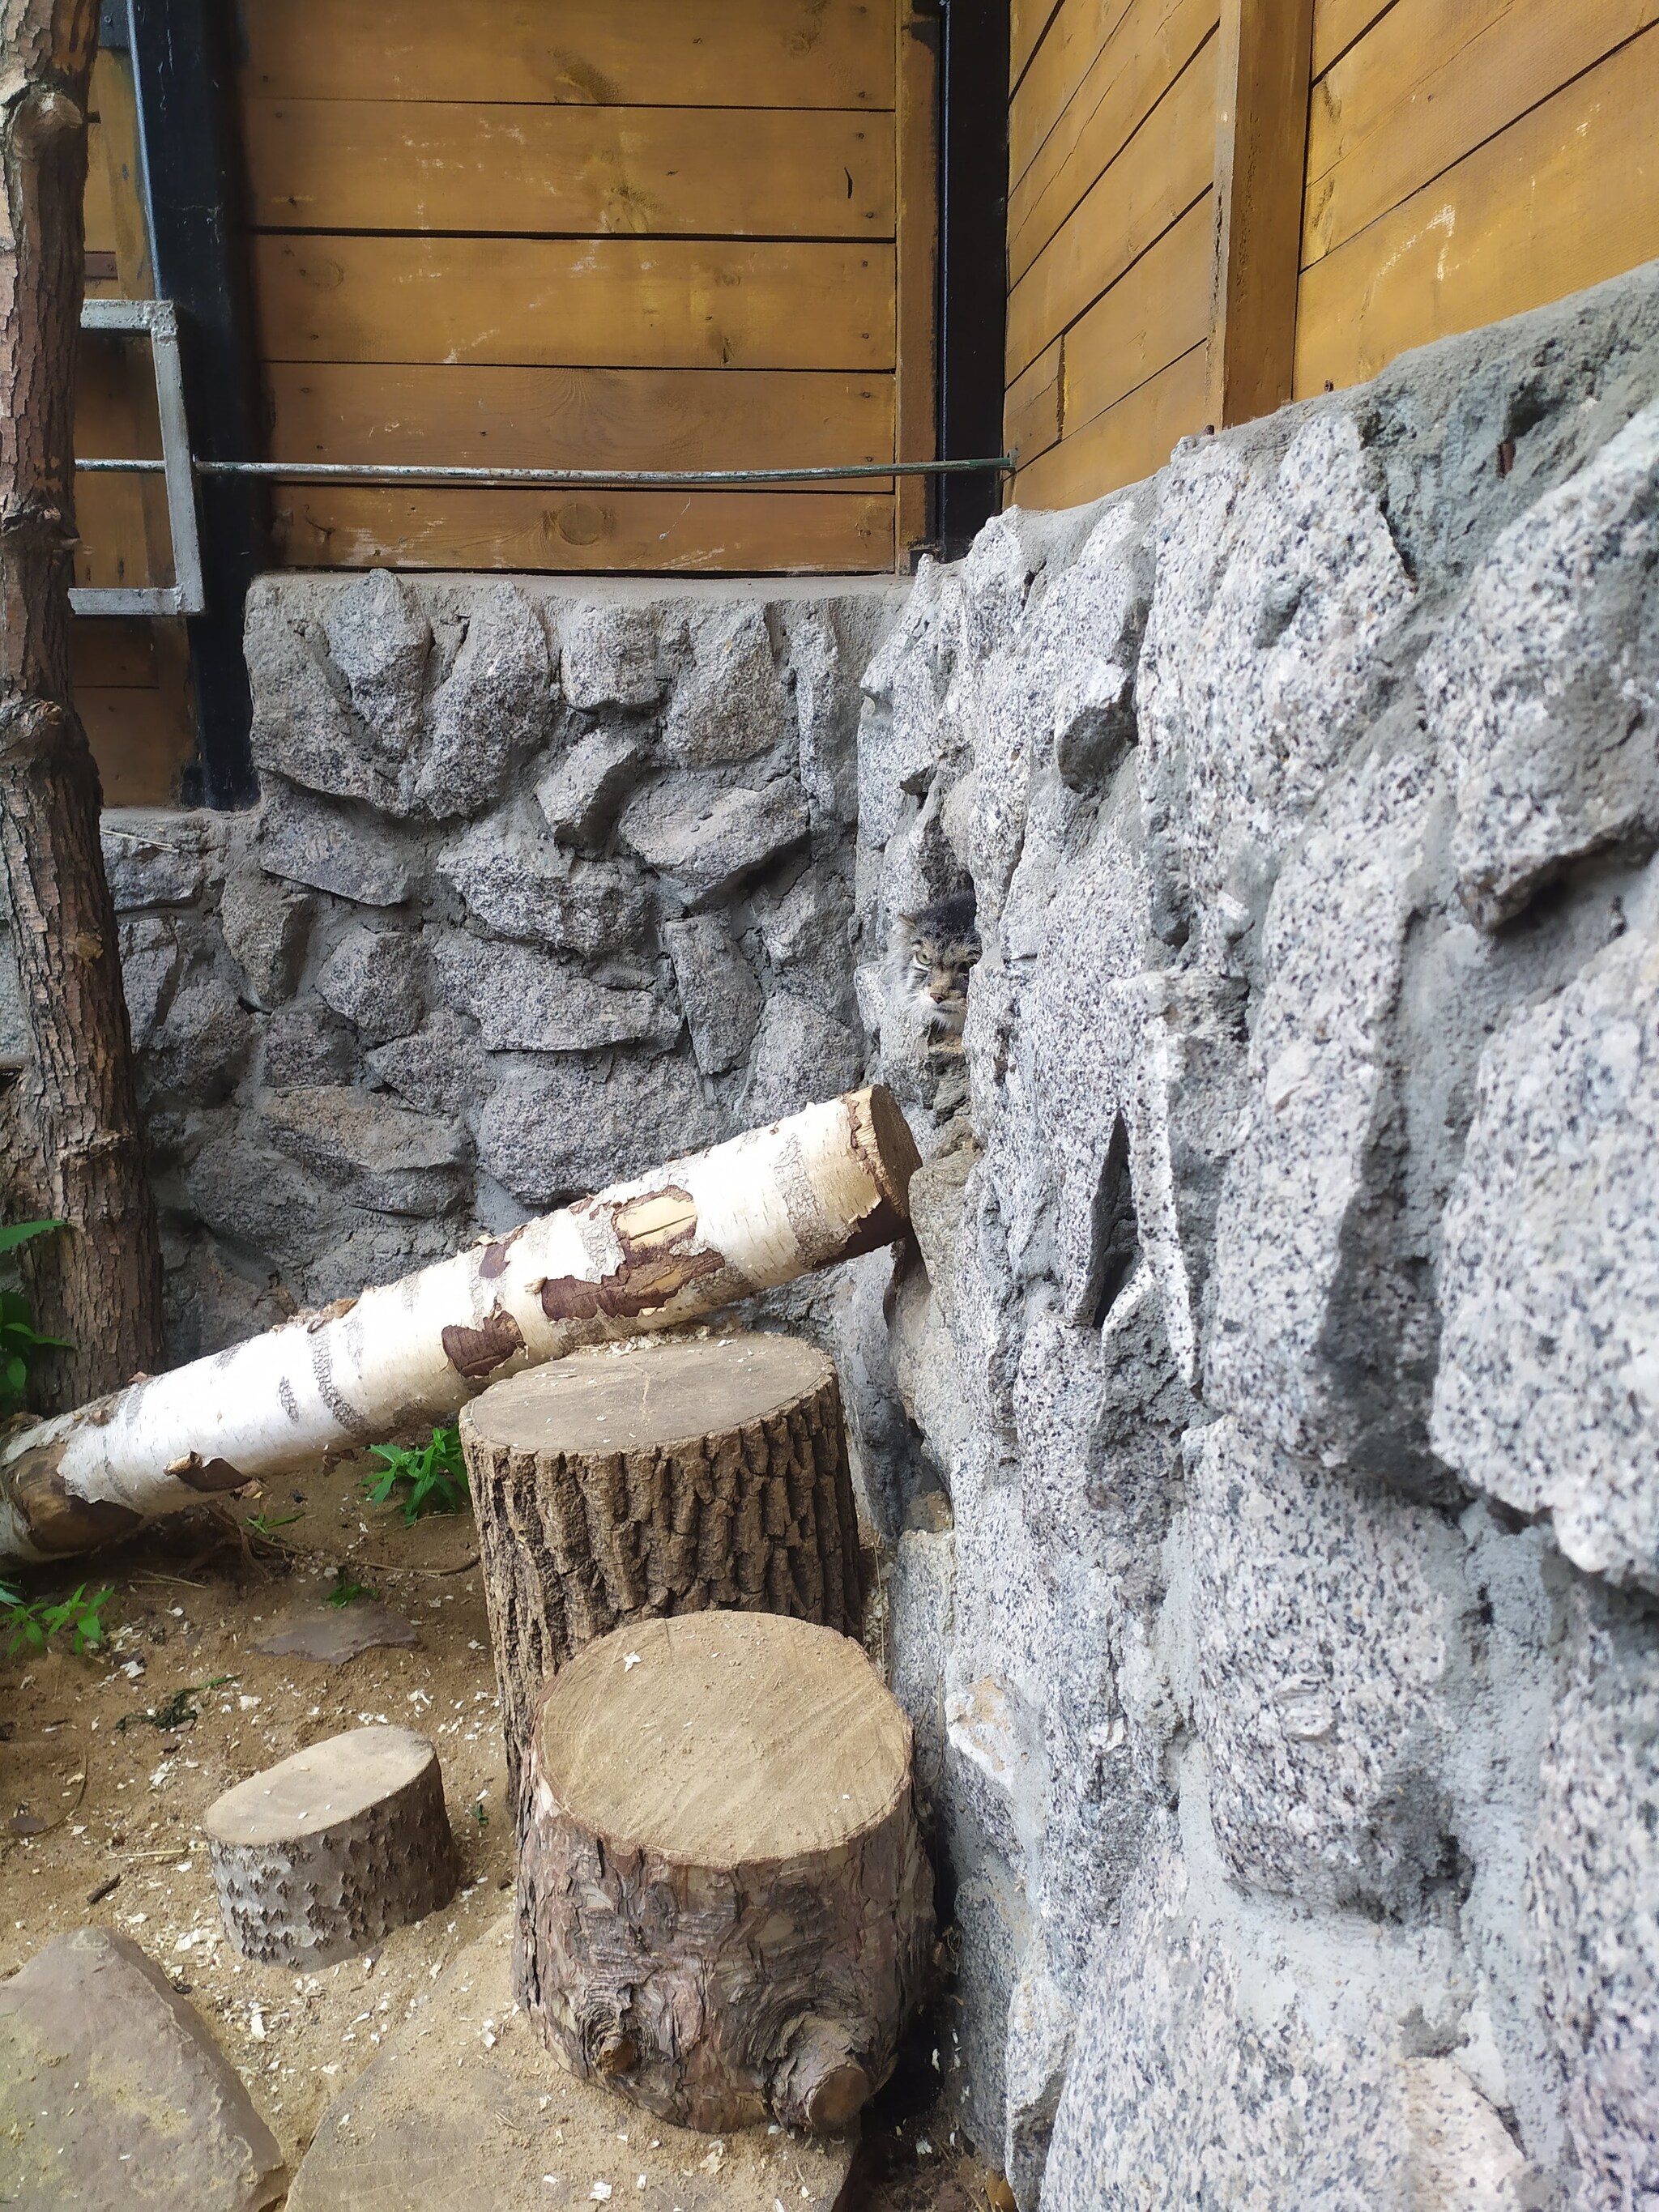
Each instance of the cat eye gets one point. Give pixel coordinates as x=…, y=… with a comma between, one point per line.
x=920, y=960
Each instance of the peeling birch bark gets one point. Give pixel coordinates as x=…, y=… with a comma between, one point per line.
x=670, y=1246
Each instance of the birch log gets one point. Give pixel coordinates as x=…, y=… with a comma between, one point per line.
x=680, y=1242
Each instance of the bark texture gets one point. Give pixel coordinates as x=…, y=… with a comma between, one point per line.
x=325, y=1853
x=74, y=1142
x=681, y=1242
x=684, y=1476
x=724, y=1906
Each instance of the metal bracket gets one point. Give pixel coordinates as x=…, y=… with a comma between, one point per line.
x=184, y=596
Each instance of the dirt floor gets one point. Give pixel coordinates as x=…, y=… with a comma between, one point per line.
x=102, y=1798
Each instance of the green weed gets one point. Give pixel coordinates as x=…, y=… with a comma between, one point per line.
x=21, y=1343
x=32, y=1625
x=348, y=1589
x=436, y=1474
x=177, y=1712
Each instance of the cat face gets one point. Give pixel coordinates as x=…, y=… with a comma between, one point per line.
x=942, y=945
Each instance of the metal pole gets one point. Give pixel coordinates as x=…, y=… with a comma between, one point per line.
x=618, y=479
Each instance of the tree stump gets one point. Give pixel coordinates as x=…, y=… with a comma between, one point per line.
x=724, y=1907
x=615, y=1486
x=327, y=1851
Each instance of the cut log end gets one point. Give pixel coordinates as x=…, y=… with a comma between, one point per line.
x=328, y=1852
x=724, y=1905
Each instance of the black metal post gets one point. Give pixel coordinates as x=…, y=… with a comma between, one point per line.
x=973, y=259
x=183, y=62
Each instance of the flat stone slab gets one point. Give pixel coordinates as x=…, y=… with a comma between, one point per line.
x=463, y=2110
x=340, y=1634
x=115, y=2096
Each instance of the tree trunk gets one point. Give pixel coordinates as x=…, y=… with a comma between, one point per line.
x=724, y=1907
x=686, y=1239
x=687, y=1475
x=75, y=1130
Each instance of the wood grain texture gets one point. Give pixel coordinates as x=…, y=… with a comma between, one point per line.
x=602, y=303
x=1337, y=23
x=1566, y=196
x=1428, y=84
x=1029, y=22
x=114, y=213
x=1155, y=313
x=722, y=53
x=1262, y=124
x=644, y=172
x=701, y=533
x=1154, y=42
x=592, y=418
x=1124, y=443
x=1073, y=38
x=1030, y=407
x=1154, y=180
x=724, y=1907
x=917, y=269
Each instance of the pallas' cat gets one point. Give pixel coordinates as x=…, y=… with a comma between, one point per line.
x=937, y=948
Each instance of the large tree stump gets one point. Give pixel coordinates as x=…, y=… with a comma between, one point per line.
x=329, y=1850
x=611, y=1486
x=724, y=1906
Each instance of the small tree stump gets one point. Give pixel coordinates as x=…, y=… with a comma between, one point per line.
x=611, y=1486
x=324, y=1853
x=724, y=1906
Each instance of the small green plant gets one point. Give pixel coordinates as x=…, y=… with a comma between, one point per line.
x=21, y=1343
x=480, y=1815
x=176, y=1711
x=348, y=1589
x=267, y=1524
x=32, y=1625
x=436, y=1474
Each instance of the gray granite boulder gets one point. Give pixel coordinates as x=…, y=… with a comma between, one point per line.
x=380, y=640
x=330, y=847
x=521, y=885
x=383, y=1157
x=376, y=979
x=610, y=656
x=266, y=925
x=493, y=707
x=717, y=990
x=730, y=704
x=154, y=856
x=579, y=794
x=525, y=1001
x=704, y=837
x=560, y=1126
x=800, y=1057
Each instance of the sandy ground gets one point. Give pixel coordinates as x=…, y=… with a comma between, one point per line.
x=123, y=1798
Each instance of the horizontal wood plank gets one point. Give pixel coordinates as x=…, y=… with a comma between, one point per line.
x=648, y=172
x=578, y=418
x=114, y=652
x=1429, y=84
x=709, y=534
x=1028, y=21
x=1154, y=181
x=719, y=53
x=1030, y=407
x=1127, y=443
x=605, y=302
x=1079, y=29
x=141, y=738
x=1566, y=197
x=1337, y=23
x=1156, y=313
x=1133, y=71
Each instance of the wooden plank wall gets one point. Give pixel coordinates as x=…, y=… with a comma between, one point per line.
x=1219, y=205
x=565, y=234
x=131, y=678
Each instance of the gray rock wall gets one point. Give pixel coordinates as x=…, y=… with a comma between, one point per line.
x=1276, y=1594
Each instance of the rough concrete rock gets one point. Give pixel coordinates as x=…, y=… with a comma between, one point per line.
x=151, y=962
x=266, y=925
x=729, y=704
x=494, y=707
x=333, y=1638
x=376, y=979
x=1544, y=688
x=522, y=885
x=830, y=645
x=330, y=847
x=380, y=640
x=1547, y=1394
x=381, y=1156
x=154, y=856
x=558, y=1127
x=903, y=733
x=581, y=794
x=303, y=726
x=114, y=2095
x=525, y=1001
x=199, y=1049
x=920, y=1594
x=800, y=1056
x=610, y=656
x=705, y=837
x=464, y=2108
x=807, y=934
x=441, y=1067
x=717, y=990
x=308, y=1044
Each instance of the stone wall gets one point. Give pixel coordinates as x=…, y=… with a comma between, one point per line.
x=542, y=887
x=1277, y=1599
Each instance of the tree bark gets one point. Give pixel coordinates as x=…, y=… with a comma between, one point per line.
x=78, y=1150
x=724, y=1907
x=689, y=1475
x=698, y=1234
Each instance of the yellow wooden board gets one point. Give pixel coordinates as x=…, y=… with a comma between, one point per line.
x=1157, y=178
x=1073, y=41
x=1337, y=23
x=141, y=741
x=716, y=53
x=1028, y=20
x=1134, y=71
x=608, y=302
x=1153, y=315
x=1030, y=408
x=114, y=652
x=441, y=164
x=1567, y=196
x=113, y=213
x=710, y=532
x=1428, y=84
x=578, y=418
x=1127, y=443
